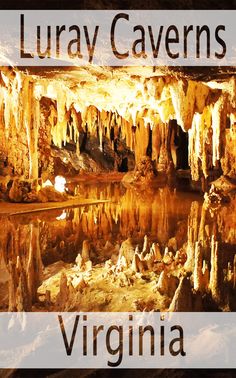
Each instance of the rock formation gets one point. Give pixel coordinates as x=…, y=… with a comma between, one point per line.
x=69, y=112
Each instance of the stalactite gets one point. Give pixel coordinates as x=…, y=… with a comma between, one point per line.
x=133, y=105
x=194, y=148
x=197, y=273
x=141, y=140
x=60, y=129
x=156, y=142
x=218, y=122
x=183, y=99
x=214, y=283
x=192, y=235
x=165, y=159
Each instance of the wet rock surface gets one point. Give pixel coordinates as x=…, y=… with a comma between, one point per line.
x=143, y=174
x=128, y=255
x=28, y=191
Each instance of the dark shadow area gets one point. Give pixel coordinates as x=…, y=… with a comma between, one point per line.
x=181, y=142
x=124, y=165
x=124, y=373
x=118, y=4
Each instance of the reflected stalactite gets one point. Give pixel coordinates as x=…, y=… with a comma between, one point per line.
x=21, y=251
x=156, y=234
x=214, y=283
x=193, y=220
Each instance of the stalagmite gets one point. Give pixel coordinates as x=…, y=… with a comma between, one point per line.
x=156, y=251
x=63, y=295
x=88, y=265
x=162, y=285
x=140, y=264
x=121, y=264
x=149, y=259
x=79, y=261
x=127, y=250
x=182, y=300
x=168, y=256
x=78, y=283
x=145, y=244
x=166, y=252
x=167, y=284
x=135, y=260
x=85, y=251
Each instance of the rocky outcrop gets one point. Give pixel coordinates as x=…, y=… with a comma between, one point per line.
x=143, y=174
x=30, y=191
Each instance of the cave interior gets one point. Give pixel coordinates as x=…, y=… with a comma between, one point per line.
x=117, y=189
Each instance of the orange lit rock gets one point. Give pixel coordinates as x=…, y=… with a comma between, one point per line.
x=182, y=300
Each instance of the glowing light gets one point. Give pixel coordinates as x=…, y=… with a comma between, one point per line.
x=47, y=183
x=62, y=216
x=60, y=183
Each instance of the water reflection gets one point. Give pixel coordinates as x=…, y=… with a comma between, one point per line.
x=33, y=241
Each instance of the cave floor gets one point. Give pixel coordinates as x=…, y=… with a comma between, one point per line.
x=103, y=293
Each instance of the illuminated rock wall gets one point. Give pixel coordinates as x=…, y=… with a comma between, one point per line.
x=37, y=111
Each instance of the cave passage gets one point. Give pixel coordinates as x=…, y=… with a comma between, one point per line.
x=119, y=138
x=181, y=149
